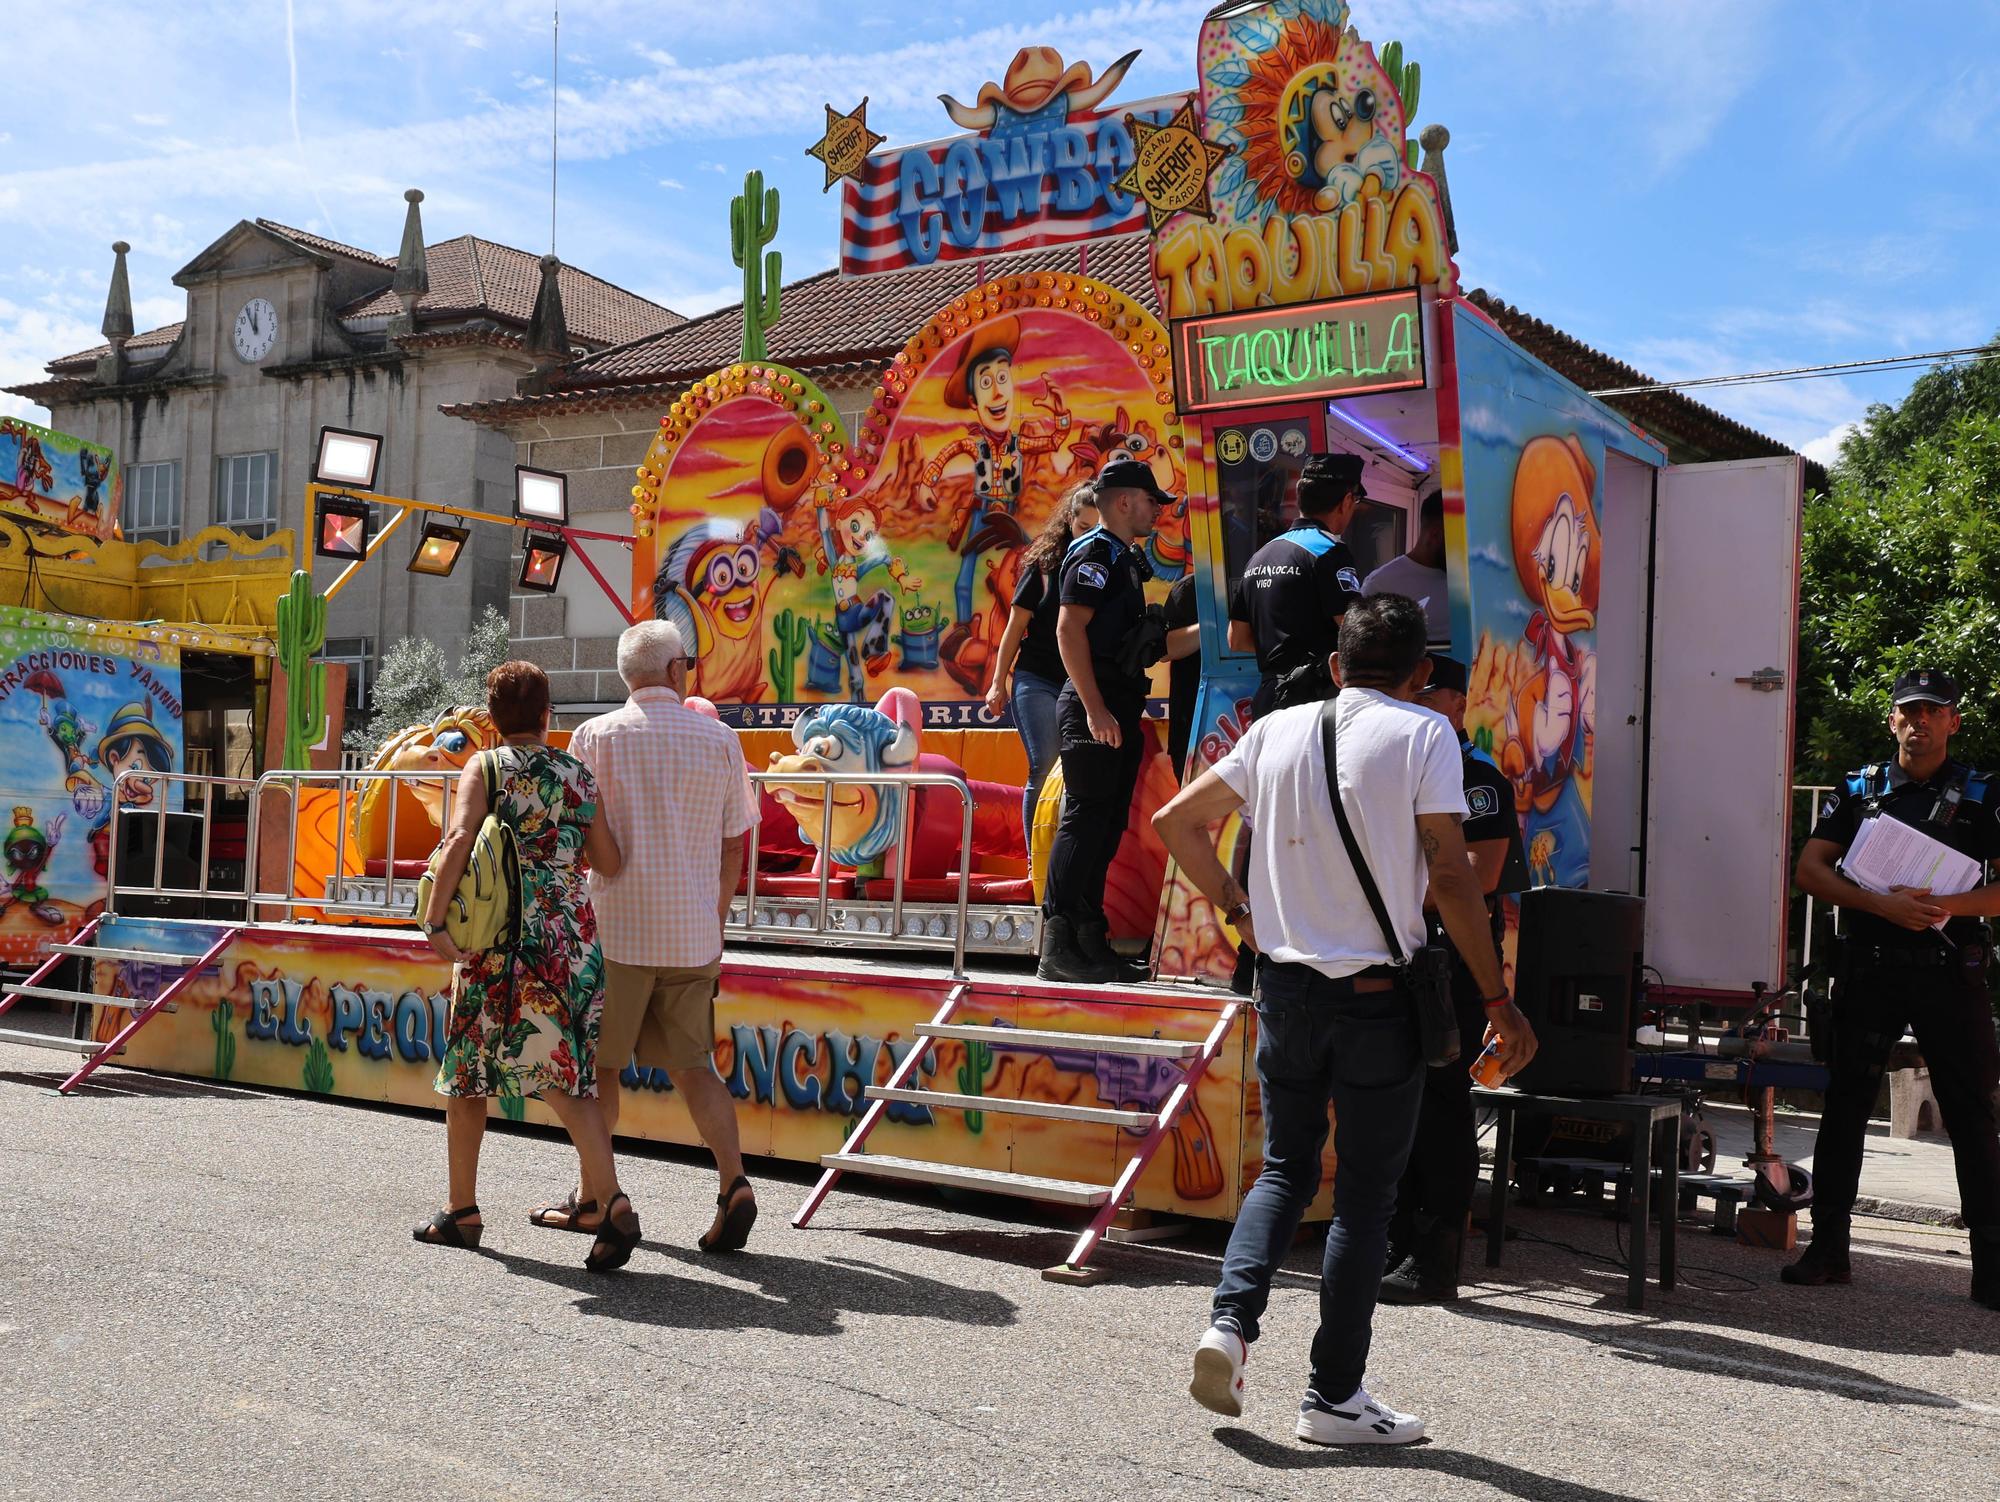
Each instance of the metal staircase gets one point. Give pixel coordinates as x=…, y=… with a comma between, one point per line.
x=143, y=1011
x=1190, y=1057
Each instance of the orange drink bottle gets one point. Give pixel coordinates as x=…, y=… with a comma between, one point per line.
x=1486, y=1069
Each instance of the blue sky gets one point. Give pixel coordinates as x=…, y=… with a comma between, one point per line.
x=1698, y=188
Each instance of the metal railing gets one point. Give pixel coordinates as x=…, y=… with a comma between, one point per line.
x=902, y=786
x=159, y=786
x=348, y=787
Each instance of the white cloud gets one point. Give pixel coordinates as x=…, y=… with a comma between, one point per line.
x=151, y=121
x=471, y=39
x=674, y=183
x=1826, y=448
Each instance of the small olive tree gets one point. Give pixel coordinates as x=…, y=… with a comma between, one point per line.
x=416, y=684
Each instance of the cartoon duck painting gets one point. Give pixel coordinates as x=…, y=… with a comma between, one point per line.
x=1546, y=745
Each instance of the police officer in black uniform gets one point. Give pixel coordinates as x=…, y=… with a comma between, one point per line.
x=1102, y=622
x=1437, y=1187
x=1288, y=604
x=1896, y=969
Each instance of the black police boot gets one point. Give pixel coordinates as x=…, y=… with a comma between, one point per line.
x=1429, y=1274
x=1063, y=960
x=1825, y=1261
x=1986, y=1266
x=1093, y=938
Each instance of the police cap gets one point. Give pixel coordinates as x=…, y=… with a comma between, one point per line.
x=1340, y=471
x=1447, y=673
x=1925, y=686
x=1131, y=474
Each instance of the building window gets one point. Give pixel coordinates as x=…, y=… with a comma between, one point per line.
x=244, y=495
x=153, y=503
x=357, y=653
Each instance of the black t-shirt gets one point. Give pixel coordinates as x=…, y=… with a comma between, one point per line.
x=1489, y=815
x=1292, y=595
x=1109, y=577
x=1183, y=673
x=1973, y=829
x=1039, y=653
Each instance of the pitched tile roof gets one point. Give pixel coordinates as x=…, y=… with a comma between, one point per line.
x=325, y=246
x=158, y=338
x=470, y=277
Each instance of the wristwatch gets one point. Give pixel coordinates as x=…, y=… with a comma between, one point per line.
x=1237, y=914
x=432, y=930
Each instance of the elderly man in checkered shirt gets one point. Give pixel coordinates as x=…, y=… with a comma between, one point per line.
x=674, y=792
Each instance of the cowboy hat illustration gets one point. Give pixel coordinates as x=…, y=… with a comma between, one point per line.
x=1038, y=87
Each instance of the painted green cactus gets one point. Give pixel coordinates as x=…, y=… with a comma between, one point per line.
x=319, y=1067
x=753, y=224
x=220, y=1021
x=972, y=1080
x=301, y=633
x=1407, y=78
x=793, y=635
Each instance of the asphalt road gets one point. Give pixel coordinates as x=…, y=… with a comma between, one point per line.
x=211, y=1293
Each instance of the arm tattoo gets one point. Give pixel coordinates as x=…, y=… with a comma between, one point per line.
x=1430, y=842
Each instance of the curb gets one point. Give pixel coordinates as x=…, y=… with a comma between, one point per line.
x=1904, y=1210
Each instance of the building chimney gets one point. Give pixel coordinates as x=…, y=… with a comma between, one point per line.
x=117, y=325
x=413, y=270
x=1434, y=140
x=548, y=330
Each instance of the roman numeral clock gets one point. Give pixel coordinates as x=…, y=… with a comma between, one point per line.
x=256, y=330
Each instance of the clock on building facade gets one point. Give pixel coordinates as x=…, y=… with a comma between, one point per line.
x=256, y=330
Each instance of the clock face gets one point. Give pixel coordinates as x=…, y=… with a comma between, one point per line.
x=256, y=329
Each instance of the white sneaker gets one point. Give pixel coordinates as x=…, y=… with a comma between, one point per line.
x=1358, y=1421
x=1218, y=1371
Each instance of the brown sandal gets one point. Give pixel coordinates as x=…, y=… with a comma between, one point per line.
x=571, y=1211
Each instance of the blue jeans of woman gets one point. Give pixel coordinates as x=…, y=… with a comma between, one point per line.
x=1033, y=698
x=1321, y=1040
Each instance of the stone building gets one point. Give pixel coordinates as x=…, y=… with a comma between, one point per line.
x=216, y=418
x=595, y=417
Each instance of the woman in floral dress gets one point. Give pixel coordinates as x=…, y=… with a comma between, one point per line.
x=524, y=1019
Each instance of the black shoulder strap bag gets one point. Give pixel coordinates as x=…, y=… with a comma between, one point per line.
x=1424, y=977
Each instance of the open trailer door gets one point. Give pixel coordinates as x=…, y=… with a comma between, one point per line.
x=1725, y=640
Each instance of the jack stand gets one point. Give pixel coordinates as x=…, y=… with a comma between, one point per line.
x=1076, y=1277
x=1135, y=1226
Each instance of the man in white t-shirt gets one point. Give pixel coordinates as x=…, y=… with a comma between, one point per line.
x=1419, y=573
x=1332, y=1021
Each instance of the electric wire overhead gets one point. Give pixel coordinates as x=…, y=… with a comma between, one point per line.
x=1972, y=355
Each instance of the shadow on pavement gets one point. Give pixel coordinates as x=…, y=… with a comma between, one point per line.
x=792, y=1295
x=1510, y=1480
x=114, y=1082
x=1035, y=1250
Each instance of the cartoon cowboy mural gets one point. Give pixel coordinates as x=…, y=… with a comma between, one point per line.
x=1038, y=94
x=982, y=383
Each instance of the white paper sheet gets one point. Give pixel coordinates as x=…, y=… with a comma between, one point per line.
x=1888, y=853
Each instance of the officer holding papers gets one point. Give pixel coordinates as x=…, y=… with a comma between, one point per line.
x=1903, y=851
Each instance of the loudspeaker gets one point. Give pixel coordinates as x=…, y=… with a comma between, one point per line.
x=1576, y=978
x=179, y=868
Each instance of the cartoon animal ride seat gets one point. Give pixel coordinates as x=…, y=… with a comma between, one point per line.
x=856, y=823
x=444, y=747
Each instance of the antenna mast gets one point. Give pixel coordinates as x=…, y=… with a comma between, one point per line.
x=555, y=90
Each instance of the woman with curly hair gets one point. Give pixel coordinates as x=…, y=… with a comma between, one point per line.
x=1028, y=659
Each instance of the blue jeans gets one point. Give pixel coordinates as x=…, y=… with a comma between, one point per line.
x=1321, y=1040
x=1033, y=699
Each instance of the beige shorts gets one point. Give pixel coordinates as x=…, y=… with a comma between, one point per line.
x=665, y=1014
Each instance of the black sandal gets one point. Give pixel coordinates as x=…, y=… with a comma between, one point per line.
x=571, y=1209
x=614, y=1245
x=738, y=1216
x=446, y=1228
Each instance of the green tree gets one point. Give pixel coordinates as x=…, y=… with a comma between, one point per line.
x=1901, y=568
x=416, y=684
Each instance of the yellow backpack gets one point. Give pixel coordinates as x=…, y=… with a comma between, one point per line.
x=485, y=912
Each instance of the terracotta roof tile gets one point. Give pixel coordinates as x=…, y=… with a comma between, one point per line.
x=325, y=246
x=158, y=338
x=469, y=276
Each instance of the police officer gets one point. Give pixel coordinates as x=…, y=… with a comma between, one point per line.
x=1288, y=604
x=1103, y=611
x=1437, y=1186
x=1896, y=968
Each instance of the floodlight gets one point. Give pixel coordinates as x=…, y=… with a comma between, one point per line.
x=438, y=549
x=347, y=458
x=342, y=529
x=541, y=495
x=541, y=563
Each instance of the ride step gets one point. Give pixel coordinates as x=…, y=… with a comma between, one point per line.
x=1005, y=1105
x=50, y=1040
x=85, y=998
x=1025, y=1186
x=167, y=961
x=1021, y=1037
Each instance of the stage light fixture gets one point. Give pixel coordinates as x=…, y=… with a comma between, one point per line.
x=347, y=458
x=541, y=563
x=438, y=549
x=342, y=528
x=541, y=495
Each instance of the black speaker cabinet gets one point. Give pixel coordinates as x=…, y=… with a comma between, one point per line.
x=1576, y=977
x=179, y=868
